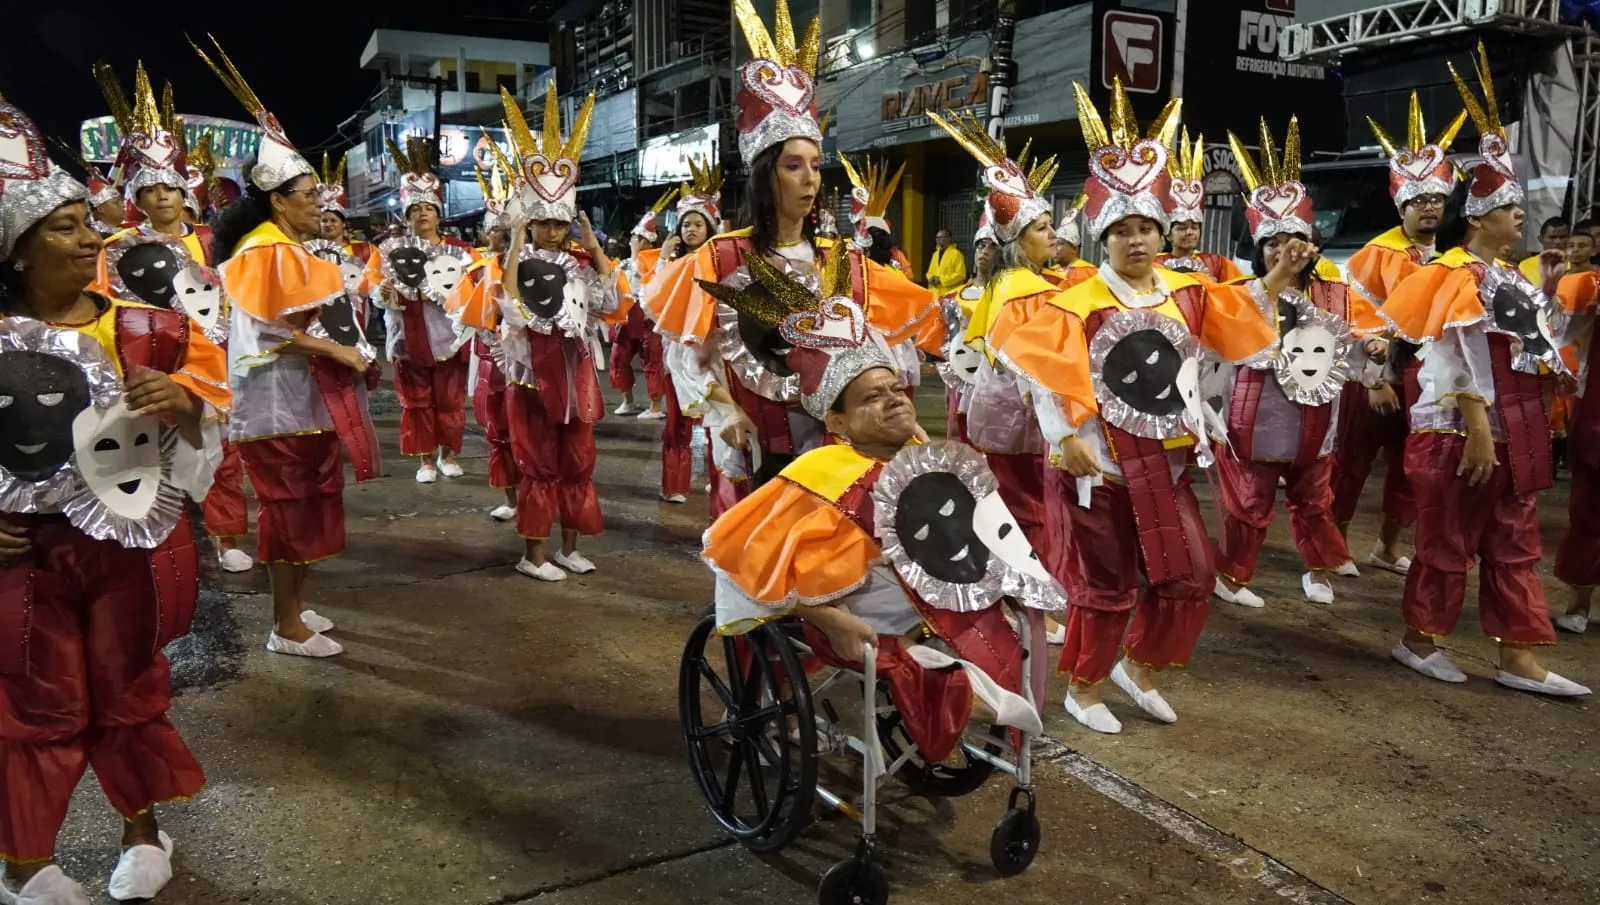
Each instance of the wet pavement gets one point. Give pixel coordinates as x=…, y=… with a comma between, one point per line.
x=490, y=739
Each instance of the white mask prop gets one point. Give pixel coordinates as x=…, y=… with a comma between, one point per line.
x=198, y=294
x=444, y=272
x=119, y=457
x=1313, y=354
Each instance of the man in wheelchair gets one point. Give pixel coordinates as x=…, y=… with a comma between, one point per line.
x=881, y=538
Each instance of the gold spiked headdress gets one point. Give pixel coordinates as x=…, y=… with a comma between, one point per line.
x=702, y=194
x=777, y=90
x=649, y=226
x=496, y=191
x=152, y=143
x=1067, y=230
x=1418, y=166
x=200, y=169
x=277, y=161
x=1494, y=182
x=1187, y=191
x=1277, y=202
x=873, y=188
x=1016, y=193
x=330, y=185
x=546, y=181
x=418, y=183
x=102, y=188
x=1127, y=172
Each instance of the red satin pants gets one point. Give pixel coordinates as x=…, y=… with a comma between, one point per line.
x=299, y=484
x=1363, y=435
x=1578, y=557
x=1249, y=496
x=224, y=505
x=625, y=345
x=677, y=442
x=489, y=409
x=433, y=404
x=1491, y=525
x=1107, y=566
x=93, y=688
x=556, y=462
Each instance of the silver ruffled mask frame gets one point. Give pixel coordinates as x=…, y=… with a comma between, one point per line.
x=999, y=580
x=729, y=344
x=426, y=292
x=1307, y=313
x=563, y=323
x=1116, y=411
x=1552, y=318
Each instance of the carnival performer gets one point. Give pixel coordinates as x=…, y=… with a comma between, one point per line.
x=999, y=422
x=1281, y=414
x=413, y=276
x=872, y=189
x=947, y=269
x=1187, y=198
x=961, y=359
x=298, y=376
x=553, y=391
x=473, y=307
x=1479, y=450
x=105, y=202
x=1372, y=414
x=633, y=336
x=723, y=372
x=334, y=222
x=1066, y=269
x=1111, y=366
x=107, y=407
x=1578, y=557
x=807, y=543
x=699, y=211
x=827, y=215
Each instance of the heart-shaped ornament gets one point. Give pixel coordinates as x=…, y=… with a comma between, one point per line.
x=1417, y=165
x=550, y=179
x=785, y=87
x=1131, y=170
x=1496, y=154
x=836, y=324
x=1278, y=201
x=22, y=154
x=1009, y=180
x=156, y=151
x=1189, y=194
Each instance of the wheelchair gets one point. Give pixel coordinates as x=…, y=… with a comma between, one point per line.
x=756, y=718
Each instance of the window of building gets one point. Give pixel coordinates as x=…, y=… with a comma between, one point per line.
x=506, y=81
x=473, y=81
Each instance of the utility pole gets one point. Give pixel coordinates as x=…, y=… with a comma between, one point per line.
x=1002, y=68
x=438, y=85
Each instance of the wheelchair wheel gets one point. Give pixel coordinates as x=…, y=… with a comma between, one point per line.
x=745, y=710
x=1015, y=841
x=856, y=881
x=943, y=780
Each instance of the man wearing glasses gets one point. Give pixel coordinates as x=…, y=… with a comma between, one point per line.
x=947, y=271
x=1372, y=414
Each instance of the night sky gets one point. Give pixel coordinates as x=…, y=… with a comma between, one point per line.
x=305, y=69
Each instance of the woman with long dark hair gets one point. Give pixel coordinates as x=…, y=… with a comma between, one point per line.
x=1281, y=416
x=1112, y=368
x=295, y=404
x=748, y=391
x=98, y=564
x=1479, y=449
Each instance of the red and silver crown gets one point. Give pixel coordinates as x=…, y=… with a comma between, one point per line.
x=1418, y=167
x=1068, y=230
x=496, y=192
x=985, y=230
x=546, y=169
x=650, y=225
x=872, y=190
x=1494, y=181
x=419, y=184
x=277, y=161
x=777, y=93
x=1016, y=193
x=1278, y=202
x=1186, y=192
x=101, y=188
x=1127, y=173
x=152, y=143
x=31, y=186
x=702, y=194
x=330, y=186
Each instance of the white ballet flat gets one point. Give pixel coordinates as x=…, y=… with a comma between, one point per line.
x=142, y=871
x=47, y=887
x=1553, y=685
x=1150, y=702
x=1099, y=717
x=1435, y=665
x=1243, y=597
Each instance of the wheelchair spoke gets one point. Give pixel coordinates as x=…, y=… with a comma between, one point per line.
x=730, y=785
x=736, y=679
x=719, y=687
x=758, y=783
x=717, y=730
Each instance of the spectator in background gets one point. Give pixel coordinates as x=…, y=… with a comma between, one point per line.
x=947, y=269
x=1553, y=234
x=1580, y=247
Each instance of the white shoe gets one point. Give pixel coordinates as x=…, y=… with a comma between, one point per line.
x=47, y=887
x=1435, y=666
x=316, y=623
x=1243, y=597
x=235, y=560
x=426, y=473
x=1576, y=623
x=1316, y=593
x=1099, y=717
x=1399, y=567
x=503, y=513
x=1553, y=685
x=652, y=415
x=574, y=562
x=1056, y=636
x=315, y=646
x=1150, y=702
x=1348, y=570
x=142, y=871
x=674, y=498
x=450, y=469
x=547, y=571
x=628, y=408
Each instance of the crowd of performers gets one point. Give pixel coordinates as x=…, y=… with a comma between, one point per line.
x=148, y=360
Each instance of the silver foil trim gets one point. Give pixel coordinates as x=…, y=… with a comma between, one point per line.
x=426, y=292
x=1113, y=409
x=89, y=514
x=1509, y=192
x=1552, y=318
x=24, y=202
x=147, y=176
x=1414, y=188
x=779, y=126
x=563, y=323
x=1120, y=207
x=1028, y=210
x=1338, y=375
x=844, y=366
x=744, y=365
x=1000, y=579
x=141, y=236
x=1277, y=226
